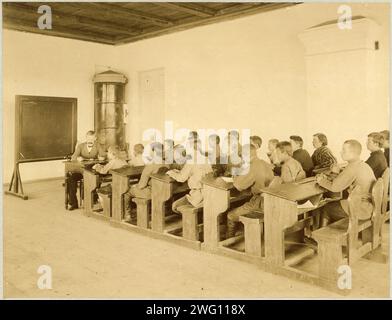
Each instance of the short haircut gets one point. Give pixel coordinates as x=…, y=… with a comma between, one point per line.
x=285, y=147
x=355, y=145
x=217, y=138
x=322, y=137
x=274, y=141
x=257, y=140
x=169, y=141
x=234, y=133
x=298, y=140
x=193, y=135
x=385, y=134
x=90, y=133
x=377, y=138
x=181, y=149
x=252, y=148
x=157, y=147
x=114, y=149
x=138, y=148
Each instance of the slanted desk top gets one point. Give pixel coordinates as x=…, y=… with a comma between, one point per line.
x=163, y=177
x=296, y=191
x=178, y=186
x=217, y=182
x=128, y=171
x=78, y=166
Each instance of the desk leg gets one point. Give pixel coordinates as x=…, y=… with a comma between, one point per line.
x=66, y=191
x=216, y=201
x=279, y=214
x=90, y=184
x=119, y=187
x=160, y=193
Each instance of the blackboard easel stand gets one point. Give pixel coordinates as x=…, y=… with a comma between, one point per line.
x=16, y=187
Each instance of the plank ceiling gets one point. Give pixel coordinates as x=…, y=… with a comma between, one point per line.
x=117, y=23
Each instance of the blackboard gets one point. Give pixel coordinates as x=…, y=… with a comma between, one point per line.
x=45, y=128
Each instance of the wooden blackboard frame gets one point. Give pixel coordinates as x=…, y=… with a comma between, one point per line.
x=16, y=188
x=19, y=99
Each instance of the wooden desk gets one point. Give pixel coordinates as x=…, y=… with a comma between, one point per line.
x=120, y=185
x=79, y=166
x=281, y=212
x=76, y=166
x=218, y=195
x=163, y=188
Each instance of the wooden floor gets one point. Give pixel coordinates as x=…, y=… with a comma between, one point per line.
x=89, y=258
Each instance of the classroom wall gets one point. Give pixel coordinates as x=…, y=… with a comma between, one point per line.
x=246, y=74
x=249, y=73
x=48, y=66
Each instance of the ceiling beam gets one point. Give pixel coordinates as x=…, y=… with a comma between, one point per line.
x=137, y=15
x=16, y=9
x=28, y=26
x=195, y=22
x=238, y=6
x=190, y=8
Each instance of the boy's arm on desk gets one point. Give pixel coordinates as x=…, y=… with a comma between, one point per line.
x=217, y=182
x=127, y=171
x=295, y=191
x=162, y=177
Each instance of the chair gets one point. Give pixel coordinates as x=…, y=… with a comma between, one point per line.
x=370, y=229
x=359, y=237
x=385, y=202
x=379, y=220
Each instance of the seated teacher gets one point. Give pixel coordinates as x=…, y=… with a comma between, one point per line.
x=88, y=150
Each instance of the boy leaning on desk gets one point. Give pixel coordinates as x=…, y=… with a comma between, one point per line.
x=114, y=162
x=356, y=173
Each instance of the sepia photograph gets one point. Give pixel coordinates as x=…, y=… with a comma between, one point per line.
x=195, y=150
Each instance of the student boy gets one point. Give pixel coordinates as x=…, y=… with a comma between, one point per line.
x=258, y=176
x=256, y=141
x=301, y=155
x=142, y=189
x=272, y=143
x=291, y=169
x=356, y=173
x=194, y=170
x=115, y=162
x=322, y=157
x=214, y=151
x=377, y=160
x=385, y=145
x=168, y=150
x=137, y=159
x=85, y=151
x=179, y=154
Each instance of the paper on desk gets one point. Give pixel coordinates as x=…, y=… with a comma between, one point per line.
x=227, y=179
x=307, y=205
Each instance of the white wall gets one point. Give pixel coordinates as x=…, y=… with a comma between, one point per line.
x=48, y=66
x=246, y=73
x=251, y=73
